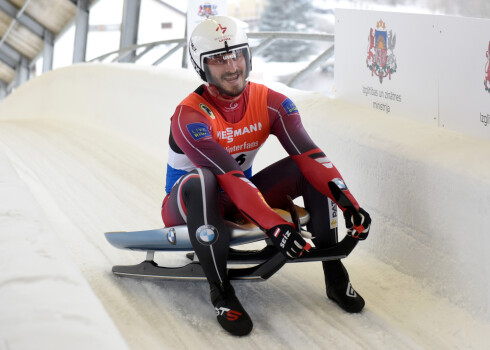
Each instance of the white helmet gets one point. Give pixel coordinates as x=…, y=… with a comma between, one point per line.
x=214, y=36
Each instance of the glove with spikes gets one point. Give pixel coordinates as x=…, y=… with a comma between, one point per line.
x=288, y=241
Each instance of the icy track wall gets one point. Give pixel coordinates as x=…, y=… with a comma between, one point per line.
x=427, y=189
x=44, y=298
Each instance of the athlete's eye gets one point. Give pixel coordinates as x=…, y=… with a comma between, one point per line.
x=220, y=59
x=215, y=60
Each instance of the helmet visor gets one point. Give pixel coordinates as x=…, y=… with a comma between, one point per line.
x=237, y=58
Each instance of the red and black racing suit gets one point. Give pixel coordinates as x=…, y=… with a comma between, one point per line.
x=212, y=146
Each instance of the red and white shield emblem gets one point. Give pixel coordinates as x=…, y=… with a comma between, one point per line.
x=381, y=57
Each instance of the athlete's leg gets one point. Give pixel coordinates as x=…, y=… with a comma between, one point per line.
x=337, y=280
x=194, y=200
x=285, y=178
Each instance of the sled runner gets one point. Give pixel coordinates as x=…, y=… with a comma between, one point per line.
x=266, y=261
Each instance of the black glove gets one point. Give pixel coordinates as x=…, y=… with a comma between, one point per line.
x=357, y=222
x=288, y=241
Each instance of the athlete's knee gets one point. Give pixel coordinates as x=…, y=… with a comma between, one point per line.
x=190, y=183
x=193, y=183
x=208, y=177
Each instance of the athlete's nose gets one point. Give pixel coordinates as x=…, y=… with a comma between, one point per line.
x=231, y=65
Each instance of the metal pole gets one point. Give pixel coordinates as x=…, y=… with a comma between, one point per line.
x=3, y=90
x=312, y=66
x=22, y=72
x=185, y=52
x=170, y=52
x=48, y=51
x=129, y=27
x=81, y=32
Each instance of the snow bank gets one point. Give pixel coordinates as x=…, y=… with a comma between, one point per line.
x=429, y=192
x=427, y=189
x=45, y=303
x=106, y=96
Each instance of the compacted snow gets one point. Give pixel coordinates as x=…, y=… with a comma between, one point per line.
x=82, y=152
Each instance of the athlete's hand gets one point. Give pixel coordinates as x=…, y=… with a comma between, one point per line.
x=357, y=222
x=288, y=241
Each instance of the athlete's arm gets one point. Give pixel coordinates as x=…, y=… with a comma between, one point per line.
x=286, y=125
x=191, y=132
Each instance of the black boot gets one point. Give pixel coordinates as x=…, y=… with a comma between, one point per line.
x=230, y=313
x=339, y=288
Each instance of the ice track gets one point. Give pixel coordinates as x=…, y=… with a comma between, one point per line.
x=89, y=179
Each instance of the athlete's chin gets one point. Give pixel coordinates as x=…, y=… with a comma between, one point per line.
x=233, y=88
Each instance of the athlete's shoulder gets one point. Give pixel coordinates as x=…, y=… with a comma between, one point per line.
x=197, y=94
x=280, y=102
x=254, y=84
x=185, y=114
x=190, y=124
x=196, y=103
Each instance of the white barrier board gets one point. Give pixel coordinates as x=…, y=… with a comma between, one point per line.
x=429, y=68
x=381, y=62
x=464, y=75
x=198, y=11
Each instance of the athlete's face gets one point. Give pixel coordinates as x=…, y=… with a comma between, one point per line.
x=228, y=72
